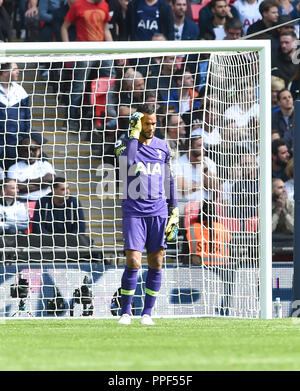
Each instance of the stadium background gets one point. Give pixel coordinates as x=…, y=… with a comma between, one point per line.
x=43, y=106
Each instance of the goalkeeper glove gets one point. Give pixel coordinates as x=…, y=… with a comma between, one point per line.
x=172, y=227
x=136, y=125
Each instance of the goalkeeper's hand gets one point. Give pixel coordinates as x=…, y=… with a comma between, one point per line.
x=172, y=227
x=136, y=125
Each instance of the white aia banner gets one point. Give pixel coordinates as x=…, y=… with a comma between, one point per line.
x=87, y=289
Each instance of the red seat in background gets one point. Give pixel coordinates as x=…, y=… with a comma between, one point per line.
x=196, y=9
x=31, y=208
x=99, y=89
x=191, y=213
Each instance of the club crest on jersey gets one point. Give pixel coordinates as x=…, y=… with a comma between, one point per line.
x=148, y=169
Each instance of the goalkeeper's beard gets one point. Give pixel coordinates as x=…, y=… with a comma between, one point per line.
x=148, y=135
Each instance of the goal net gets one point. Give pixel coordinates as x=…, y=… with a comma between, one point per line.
x=61, y=230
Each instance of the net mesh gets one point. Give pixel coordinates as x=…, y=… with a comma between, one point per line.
x=69, y=260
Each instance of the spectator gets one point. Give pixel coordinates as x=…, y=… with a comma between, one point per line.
x=15, y=117
x=209, y=127
x=105, y=132
x=87, y=29
x=175, y=135
x=197, y=64
x=21, y=6
x=288, y=11
x=280, y=159
x=58, y=212
x=211, y=139
x=276, y=85
x=33, y=173
x=2, y=175
x=51, y=14
x=206, y=15
x=269, y=11
x=245, y=109
x=118, y=87
x=232, y=174
x=184, y=28
x=189, y=11
x=290, y=27
x=147, y=17
x=286, y=7
x=282, y=209
x=160, y=78
x=184, y=97
x=118, y=24
x=214, y=27
x=5, y=29
x=248, y=12
x=233, y=29
x=150, y=98
x=149, y=66
x=245, y=191
x=132, y=95
x=162, y=113
x=289, y=184
x=124, y=95
x=295, y=86
x=32, y=8
x=284, y=119
x=32, y=23
x=287, y=28
x=283, y=65
x=195, y=175
x=228, y=151
x=208, y=239
x=14, y=214
x=275, y=134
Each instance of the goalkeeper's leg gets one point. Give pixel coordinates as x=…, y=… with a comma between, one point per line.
x=129, y=283
x=153, y=284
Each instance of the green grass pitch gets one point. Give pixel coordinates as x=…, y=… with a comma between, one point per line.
x=195, y=344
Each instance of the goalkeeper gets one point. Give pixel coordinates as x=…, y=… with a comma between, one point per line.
x=150, y=212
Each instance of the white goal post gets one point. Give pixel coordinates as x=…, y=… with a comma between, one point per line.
x=85, y=285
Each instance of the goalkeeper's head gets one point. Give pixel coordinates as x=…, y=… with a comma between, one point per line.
x=148, y=120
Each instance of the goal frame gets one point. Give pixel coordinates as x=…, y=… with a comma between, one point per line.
x=263, y=47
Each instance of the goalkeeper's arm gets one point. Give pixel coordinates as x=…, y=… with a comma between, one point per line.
x=132, y=143
x=172, y=227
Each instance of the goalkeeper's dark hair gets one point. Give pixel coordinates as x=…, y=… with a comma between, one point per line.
x=145, y=109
